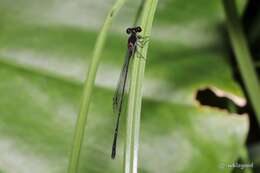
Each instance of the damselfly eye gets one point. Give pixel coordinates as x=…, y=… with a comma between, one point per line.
x=138, y=29
x=128, y=30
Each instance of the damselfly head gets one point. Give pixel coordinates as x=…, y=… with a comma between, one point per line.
x=133, y=30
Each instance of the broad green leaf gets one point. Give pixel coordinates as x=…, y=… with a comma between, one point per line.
x=38, y=113
x=45, y=47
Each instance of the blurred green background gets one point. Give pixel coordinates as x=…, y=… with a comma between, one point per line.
x=45, y=49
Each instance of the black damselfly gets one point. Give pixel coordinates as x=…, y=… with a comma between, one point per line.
x=132, y=45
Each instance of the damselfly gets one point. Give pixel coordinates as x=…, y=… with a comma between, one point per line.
x=132, y=47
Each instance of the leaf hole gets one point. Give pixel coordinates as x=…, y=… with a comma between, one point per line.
x=218, y=99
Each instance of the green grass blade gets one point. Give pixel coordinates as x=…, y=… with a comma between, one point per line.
x=242, y=55
x=138, y=13
x=257, y=64
x=135, y=93
x=88, y=87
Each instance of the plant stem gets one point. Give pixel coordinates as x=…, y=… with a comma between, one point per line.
x=135, y=93
x=138, y=14
x=242, y=55
x=257, y=64
x=88, y=88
